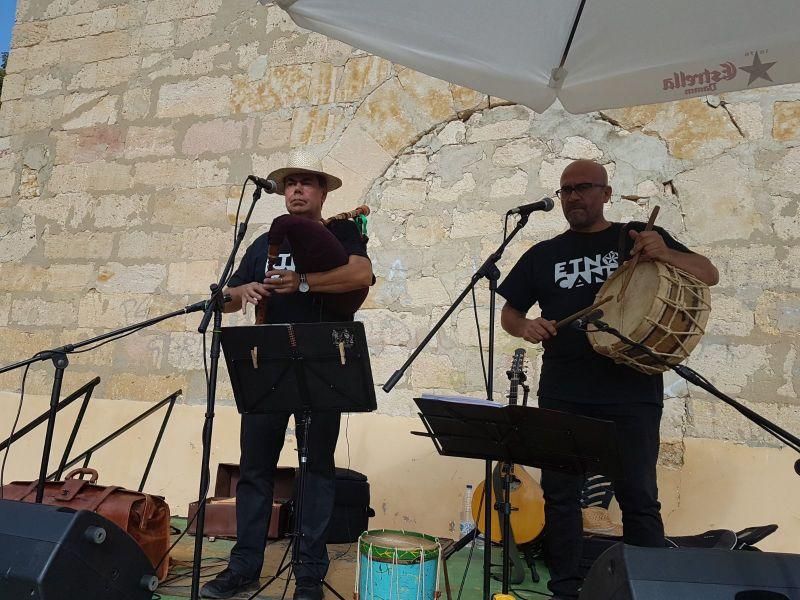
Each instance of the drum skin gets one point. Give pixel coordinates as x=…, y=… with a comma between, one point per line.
x=664, y=309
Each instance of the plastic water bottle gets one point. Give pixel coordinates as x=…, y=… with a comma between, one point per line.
x=467, y=524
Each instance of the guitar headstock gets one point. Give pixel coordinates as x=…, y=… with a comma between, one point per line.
x=516, y=374
x=518, y=366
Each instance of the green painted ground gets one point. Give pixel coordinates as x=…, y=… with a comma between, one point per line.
x=341, y=576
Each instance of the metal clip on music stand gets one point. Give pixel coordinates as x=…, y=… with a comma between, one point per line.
x=522, y=435
x=303, y=369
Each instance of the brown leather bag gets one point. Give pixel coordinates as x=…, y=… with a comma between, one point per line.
x=144, y=517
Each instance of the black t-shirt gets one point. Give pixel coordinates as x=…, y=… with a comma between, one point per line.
x=308, y=307
x=564, y=274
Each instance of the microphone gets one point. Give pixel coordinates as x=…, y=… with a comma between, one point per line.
x=544, y=204
x=267, y=185
x=581, y=322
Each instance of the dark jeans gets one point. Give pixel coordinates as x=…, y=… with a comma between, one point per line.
x=637, y=492
x=261, y=442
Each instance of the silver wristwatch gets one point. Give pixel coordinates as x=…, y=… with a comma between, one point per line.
x=303, y=287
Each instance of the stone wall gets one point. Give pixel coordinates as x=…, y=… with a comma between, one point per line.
x=127, y=127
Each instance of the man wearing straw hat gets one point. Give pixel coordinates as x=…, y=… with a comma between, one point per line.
x=292, y=299
x=563, y=275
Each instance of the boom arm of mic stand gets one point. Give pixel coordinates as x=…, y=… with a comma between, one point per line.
x=489, y=270
x=695, y=378
x=216, y=299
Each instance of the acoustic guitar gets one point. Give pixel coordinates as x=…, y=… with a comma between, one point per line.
x=527, y=498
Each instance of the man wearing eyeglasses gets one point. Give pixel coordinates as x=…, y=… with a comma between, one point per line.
x=563, y=275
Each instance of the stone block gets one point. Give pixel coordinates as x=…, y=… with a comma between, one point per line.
x=717, y=201
x=115, y=44
x=436, y=371
x=731, y=367
x=219, y=136
x=110, y=311
x=87, y=245
x=185, y=351
x=158, y=36
x=777, y=313
x=502, y=123
x=116, y=278
x=19, y=344
x=360, y=76
x=461, y=188
x=69, y=278
x=39, y=312
x=316, y=124
x=90, y=144
x=105, y=112
x=729, y=316
x=191, y=30
x=284, y=86
x=17, y=234
x=143, y=351
x=181, y=172
x=360, y=152
x=786, y=121
x=191, y=277
x=13, y=86
x=153, y=245
x=749, y=118
x=404, y=194
x=577, y=147
x=515, y=185
x=466, y=99
x=384, y=117
x=149, y=141
x=476, y=224
x=198, y=97
x=205, y=242
x=16, y=277
x=135, y=104
x=275, y=131
x=106, y=74
x=515, y=153
x=192, y=208
x=38, y=85
x=29, y=34
x=784, y=174
x=147, y=388
x=454, y=132
x=424, y=230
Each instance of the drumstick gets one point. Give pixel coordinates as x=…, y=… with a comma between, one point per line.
x=635, y=260
x=582, y=312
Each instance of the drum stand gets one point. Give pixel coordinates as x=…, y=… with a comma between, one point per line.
x=695, y=378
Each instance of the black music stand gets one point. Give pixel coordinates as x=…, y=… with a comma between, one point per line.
x=523, y=435
x=301, y=368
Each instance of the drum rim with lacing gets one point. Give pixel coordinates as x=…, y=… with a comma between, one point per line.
x=673, y=285
x=370, y=544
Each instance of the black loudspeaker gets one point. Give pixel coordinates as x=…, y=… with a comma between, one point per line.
x=57, y=553
x=632, y=573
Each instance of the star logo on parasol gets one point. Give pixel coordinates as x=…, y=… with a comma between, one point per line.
x=758, y=70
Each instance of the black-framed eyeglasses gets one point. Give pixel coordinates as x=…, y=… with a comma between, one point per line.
x=567, y=190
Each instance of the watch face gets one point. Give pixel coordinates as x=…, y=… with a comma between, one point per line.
x=303, y=287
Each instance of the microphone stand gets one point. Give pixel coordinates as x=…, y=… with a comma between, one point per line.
x=61, y=362
x=490, y=271
x=695, y=378
x=214, y=308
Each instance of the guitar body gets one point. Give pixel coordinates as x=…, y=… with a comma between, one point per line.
x=526, y=496
x=527, y=521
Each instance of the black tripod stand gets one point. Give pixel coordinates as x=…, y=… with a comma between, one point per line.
x=305, y=369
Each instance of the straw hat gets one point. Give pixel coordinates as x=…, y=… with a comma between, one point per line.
x=303, y=161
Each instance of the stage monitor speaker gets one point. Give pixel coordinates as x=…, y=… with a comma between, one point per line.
x=57, y=553
x=631, y=573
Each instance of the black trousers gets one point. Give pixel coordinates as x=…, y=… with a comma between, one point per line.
x=637, y=491
x=261, y=442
